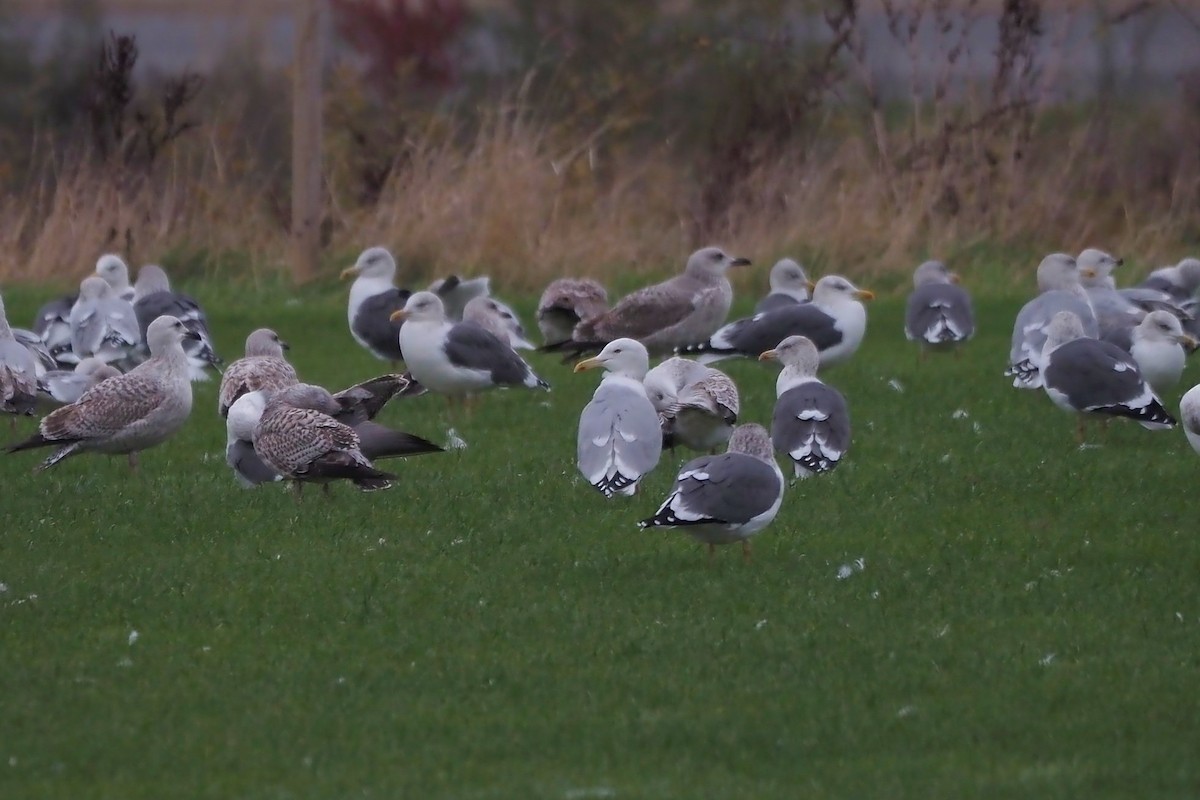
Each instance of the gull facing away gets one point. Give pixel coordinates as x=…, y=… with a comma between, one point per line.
x=263, y=368
x=127, y=413
x=565, y=303
x=1058, y=278
x=499, y=320
x=67, y=386
x=52, y=324
x=938, y=313
x=703, y=413
x=43, y=360
x=835, y=321
x=725, y=498
x=1090, y=376
x=1178, y=282
x=1159, y=346
x=18, y=373
x=619, y=438
x=789, y=286
x=102, y=324
x=667, y=315
x=457, y=292
x=457, y=358
x=1189, y=414
x=374, y=298
x=115, y=272
x=153, y=298
x=811, y=423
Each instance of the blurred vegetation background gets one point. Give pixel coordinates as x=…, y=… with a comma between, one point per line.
x=530, y=139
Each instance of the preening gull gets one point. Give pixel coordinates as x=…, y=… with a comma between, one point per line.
x=686, y=308
x=102, y=324
x=703, y=413
x=1179, y=282
x=456, y=292
x=1157, y=346
x=725, y=498
x=126, y=413
x=938, y=313
x=565, y=303
x=457, y=358
x=263, y=367
x=811, y=423
x=619, y=437
x=1058, y=278
x=1189, y=413
x=1086, y=375
x=113, y=269
x=52, y=324
x=153, y=298
x=298, y=437
x=18, y=372
x=664, y=383
x=241, y=418
x=789, y=285
x=499, y=320
x=363, y=401
x=67, y=386
x=835, y=321
x=373, y=300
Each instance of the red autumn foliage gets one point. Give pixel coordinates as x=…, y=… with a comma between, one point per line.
x=403, y=37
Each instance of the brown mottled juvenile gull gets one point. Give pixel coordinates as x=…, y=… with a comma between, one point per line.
x=498, y=319
x=938, y=314
x=726, y=498
x=1189, y=413
x=153, y=298
x=1090, y=376
x=102, y=324
x=835, y=320
x=1058, y=278
x=811, y=424
x=115, y=272
x=619, y=438
x=457, y=358
x=373, y=300
x=127, y=413
x=298, y=437
x=263, y=367
x=18, y=373
x=789, y=286
x=699, y=410
x=67, y=386
x=565, y=303
x=667, y=315
x=664, y=382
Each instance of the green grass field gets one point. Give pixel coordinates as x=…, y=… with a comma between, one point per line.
x=1021, y=618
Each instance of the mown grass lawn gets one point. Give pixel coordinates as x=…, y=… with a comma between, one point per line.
x=1021, y=617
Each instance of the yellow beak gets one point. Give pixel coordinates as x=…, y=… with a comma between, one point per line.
x=810, y=286
x=769, y=355
x=954, y=277
x=863, y=294
x=1189, y=342
x=1088, y=273
x=399, y=315
x=349, y=272
x=589, y=363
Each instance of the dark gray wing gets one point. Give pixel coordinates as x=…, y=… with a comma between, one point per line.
x=939, y=313
x=249, y=468
x=471, y=346
x=372, y=323
x=56, y=311
x=762, y=332
x=1158, y=283
x=811, y=425
x=379, y=441
x=1121, y=337
x=731, y=488
x=1094, y=375
x=363, y=401
x=774, y=302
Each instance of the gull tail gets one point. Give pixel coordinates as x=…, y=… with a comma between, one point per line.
x=572, y=350
x=378, y=441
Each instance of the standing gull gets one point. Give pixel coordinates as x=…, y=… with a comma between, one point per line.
x=154, y=298
x=1116, y=314
x=127, y=413
x=1189, y=413
x=263, y=367
x=115, y=273
x=67, y=386
x=811, y=424
x=18, y=373
x=835, y=321
x=938, y=313
x=789, y=286
x=52, y=324
x=726, y=498
x=619, y=437
x=499, y=320
x=102, y=324
x=457, y=292
x=1058, y=278
x=457, y=358
x=373, y=300
x=1085, y=375
x=667, y=315
x=1157, y=346
x=565, y=303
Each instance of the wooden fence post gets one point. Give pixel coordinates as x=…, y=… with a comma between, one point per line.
x=307, y=65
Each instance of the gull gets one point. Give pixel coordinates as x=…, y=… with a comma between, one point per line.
x=565, y=303
x=938, y=313
x=153, y=298
x=498, y=319
x=67, y=386
x=811, y=423
x=18, y=373
x=373, y=300
x=102, y=324
x=115, y=272
x=263, y=367
x=1058, y=277
x=789, y=285
x=1158, y=345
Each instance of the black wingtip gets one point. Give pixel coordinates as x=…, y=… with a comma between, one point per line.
x=572, y=350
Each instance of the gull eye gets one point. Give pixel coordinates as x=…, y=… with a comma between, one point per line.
x=717, y=256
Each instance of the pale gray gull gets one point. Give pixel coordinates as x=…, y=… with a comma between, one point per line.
x=263, y=367
x=1159, y=345
x=115, y=272
x=43, y=359
x=18, y=373
x=457, y=358
x=619, y=438
x=1085, y=375
x=52, y=324
x=1189, y=412
x=811, y=423
x=721, y=499
x=565, y=303
x=154, y=298
x=1058, y=278
x=126, y=413
x=835, y=321
x=67, y=386
x=497, y=318
x=456, y=292
x=102, y=324
x=789, y=285
x=1179, y=282
x=667, y=315
x=938, y=314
